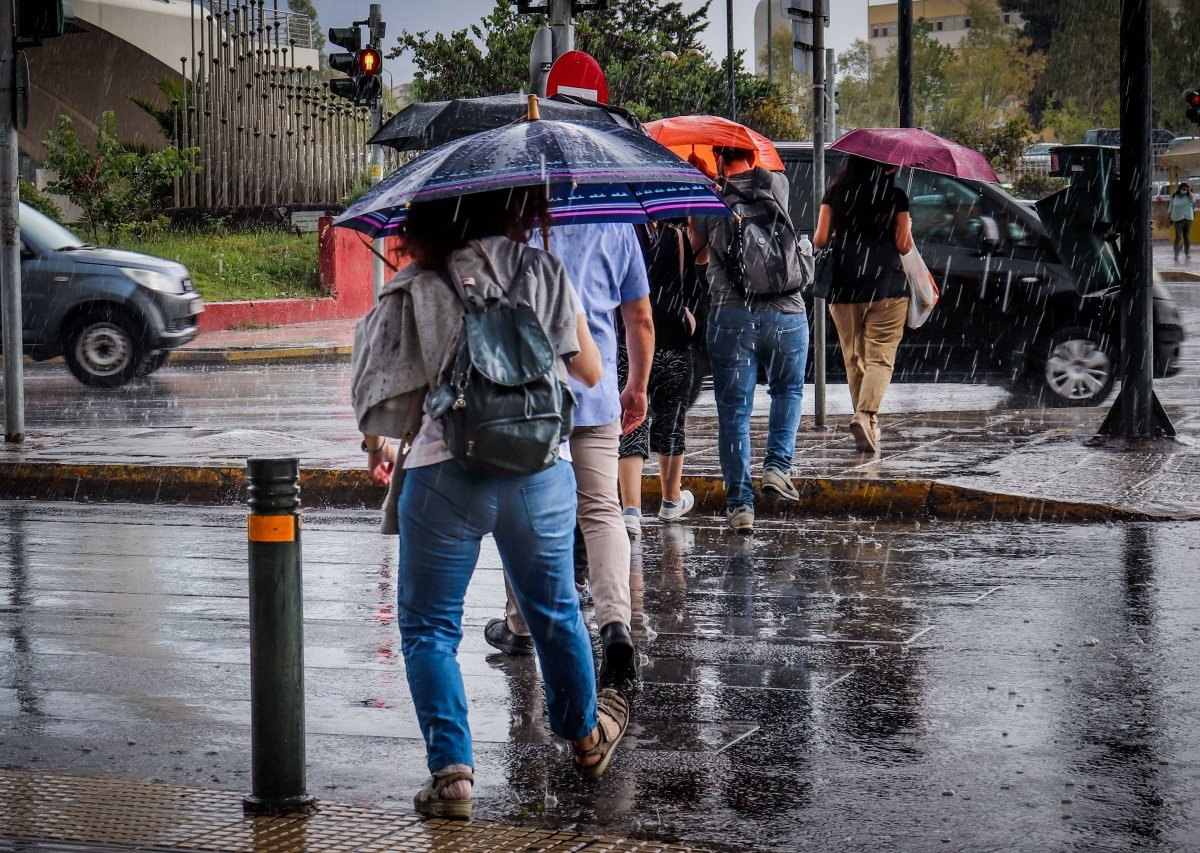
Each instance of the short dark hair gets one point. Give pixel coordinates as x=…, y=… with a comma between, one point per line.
x=434, y=229
x=730, y=152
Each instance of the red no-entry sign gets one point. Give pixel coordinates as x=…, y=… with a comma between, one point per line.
x=577, y=73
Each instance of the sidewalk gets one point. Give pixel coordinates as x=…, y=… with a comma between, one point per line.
x=325, y=341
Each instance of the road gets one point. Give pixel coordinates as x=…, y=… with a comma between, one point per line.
x=314, y=399
x=822, y=685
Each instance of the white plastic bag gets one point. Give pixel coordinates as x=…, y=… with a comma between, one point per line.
x=922, y=289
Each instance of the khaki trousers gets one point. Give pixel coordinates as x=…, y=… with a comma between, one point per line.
x=869, y=333
x=594, y=458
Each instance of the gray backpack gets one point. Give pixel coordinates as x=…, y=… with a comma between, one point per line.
x=761, y=256
x=503, y=408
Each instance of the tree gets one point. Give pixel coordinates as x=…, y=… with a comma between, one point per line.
x=650, y=51
x=117, y=184
x=169, y=117
x=316, y=34
x=868, y=92
x=796, y=88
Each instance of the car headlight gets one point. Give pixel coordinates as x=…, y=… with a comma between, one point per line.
x=154, y=280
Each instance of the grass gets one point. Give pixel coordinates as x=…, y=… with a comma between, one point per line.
x=233, y=266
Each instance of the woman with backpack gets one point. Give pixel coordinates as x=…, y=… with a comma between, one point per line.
x=470, y=253
x=864, y=219
x=1182, y=211
x=671, y=269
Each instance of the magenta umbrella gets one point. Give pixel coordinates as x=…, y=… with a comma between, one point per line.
x=914, y=148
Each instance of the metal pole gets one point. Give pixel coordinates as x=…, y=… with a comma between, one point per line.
x=10, y=234
x=562, y=27
x=729, y=59
x=831, y=132
x=770, y=33
x=377, y=273
x=276, y=640
x=818, y=320
x=1137, y=344
x=904, y=53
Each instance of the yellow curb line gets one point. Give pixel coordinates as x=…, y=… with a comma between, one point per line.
x=342, y=487
x=253, y=354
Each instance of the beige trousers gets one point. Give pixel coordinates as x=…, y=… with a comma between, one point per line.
x=594, y=458
x=869, y=333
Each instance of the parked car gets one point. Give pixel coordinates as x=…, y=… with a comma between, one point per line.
x=1009, y=311
x=111, y=314
x=1035, y=159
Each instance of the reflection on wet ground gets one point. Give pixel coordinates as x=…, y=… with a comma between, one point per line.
x=820, y=684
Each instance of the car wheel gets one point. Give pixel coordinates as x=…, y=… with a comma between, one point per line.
x=153, y=361
x=104, y=349
x=1079, y=368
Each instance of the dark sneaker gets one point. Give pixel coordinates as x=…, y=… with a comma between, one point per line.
x=500, y=636
x=618, y=660
x=740, y=518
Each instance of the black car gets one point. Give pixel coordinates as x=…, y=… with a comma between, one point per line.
x=1009, y=310
x=111, y=314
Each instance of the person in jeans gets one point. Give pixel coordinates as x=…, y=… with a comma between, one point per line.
x=671, y=265
x=605, y=264
x=747, y=333
x=864, y=217
x=401, y=350
x=1182, y=211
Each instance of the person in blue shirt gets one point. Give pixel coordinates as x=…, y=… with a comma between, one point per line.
x=605, y=264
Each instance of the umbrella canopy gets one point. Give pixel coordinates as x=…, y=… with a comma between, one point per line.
x=593, y=173
x=695, y=136
x=914, y=148
x=429, y=124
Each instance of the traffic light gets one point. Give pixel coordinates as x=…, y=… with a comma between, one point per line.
x=1192, y=98
x=41, y=19
x=361, y=65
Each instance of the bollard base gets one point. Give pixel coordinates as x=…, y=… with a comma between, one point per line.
x=305, y=804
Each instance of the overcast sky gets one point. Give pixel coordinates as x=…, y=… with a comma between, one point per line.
x=848, y=21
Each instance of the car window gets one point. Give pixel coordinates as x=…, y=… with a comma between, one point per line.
x=44, y=232
x=943, y=210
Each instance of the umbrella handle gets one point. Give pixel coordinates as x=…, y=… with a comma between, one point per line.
x=534, y=113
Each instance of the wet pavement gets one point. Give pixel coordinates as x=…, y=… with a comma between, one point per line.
x=820, y=685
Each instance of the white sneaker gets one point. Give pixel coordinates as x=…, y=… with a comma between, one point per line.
x=673, y=511
x=632, y=516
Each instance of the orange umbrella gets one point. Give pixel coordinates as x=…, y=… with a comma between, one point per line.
x=693, y=138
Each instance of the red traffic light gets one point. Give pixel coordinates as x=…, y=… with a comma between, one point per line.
x=1193, y=98
x=370, y=62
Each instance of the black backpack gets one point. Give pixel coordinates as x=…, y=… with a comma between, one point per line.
x=763, y=258
x=503, y=408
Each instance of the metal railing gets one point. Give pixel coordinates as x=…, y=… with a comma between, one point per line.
x=278, y=27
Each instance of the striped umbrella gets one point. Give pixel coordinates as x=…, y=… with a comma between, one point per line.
x=592, y=173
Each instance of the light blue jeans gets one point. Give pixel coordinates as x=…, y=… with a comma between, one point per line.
x=739, y=340
x=444, y=512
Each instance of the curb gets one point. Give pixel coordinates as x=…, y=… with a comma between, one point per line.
x=352, y=488
x=261, y=355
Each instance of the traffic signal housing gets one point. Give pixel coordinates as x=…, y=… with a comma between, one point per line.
x=1192, y=99
x=361, y=65
x=38, y=20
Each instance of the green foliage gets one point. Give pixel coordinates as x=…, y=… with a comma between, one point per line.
x=1069, y=122
x=650, y=51
x=168, y=118
x=868, y=87
x=232, y=265
x=1035, y=186
x=116, y=183
x=40, y=201
x=794, y=87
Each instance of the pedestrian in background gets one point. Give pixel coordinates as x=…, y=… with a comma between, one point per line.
x=606, y=267
x=751, y=325
x=402, y=348
x=1182, y=211
x=671, y=267
x=864, y=219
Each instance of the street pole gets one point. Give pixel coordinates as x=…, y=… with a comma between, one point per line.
x=729, y=58
x=904, y=53
x=10, y=233
x=562, y=27
x=376, y=165
x=818, y=99
x=770, y=33
x=830, y=95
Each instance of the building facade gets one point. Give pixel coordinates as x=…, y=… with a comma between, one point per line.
x=949, y=20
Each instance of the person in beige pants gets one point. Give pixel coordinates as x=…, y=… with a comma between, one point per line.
x=864, y=219
x=605, y=264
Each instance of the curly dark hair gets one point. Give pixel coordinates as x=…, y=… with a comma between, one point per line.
x=434, y=229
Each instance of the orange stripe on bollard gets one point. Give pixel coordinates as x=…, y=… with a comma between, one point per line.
x=272, y=528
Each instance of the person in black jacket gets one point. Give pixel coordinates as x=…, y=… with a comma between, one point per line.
x=670, y=265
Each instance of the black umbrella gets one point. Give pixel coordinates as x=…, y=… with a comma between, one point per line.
x=429, y=124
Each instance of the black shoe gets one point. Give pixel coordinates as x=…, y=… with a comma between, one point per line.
x=618, y=661
x=500, y=636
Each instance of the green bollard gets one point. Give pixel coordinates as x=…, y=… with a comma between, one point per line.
x=276, y=641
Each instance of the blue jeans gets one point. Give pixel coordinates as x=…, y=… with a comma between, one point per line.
x=739, y=340
x=444, y=512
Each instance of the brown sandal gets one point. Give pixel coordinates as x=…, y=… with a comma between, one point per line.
x=864, y=437
x=613, y=705
x=429, y=803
